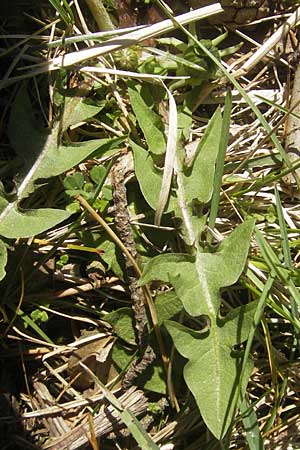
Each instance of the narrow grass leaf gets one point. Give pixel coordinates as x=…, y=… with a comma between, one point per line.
x=132, y=38
x=235, y=83
x=31, y=323
x=253, y=434
x=63, y=10
x=276, y=268
x=283, y=232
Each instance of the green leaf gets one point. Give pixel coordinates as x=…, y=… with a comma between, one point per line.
x=199, y=178
x=76, y=110
x=39, y=316
x=222, y=147
x=149, y=177
x=74, y=181
x=167, y=305
x=97, y=173
x=153, y=378
x=122, y=356
x=55, y=160
x=253, y=434
x=122, y=322
x=184, y=123
x=212, y=370
x=44, y=157
x=197, y=280
x=47, y=156
x=134, y=426
x=111, y=255
x=195, y=183
x=64, y=10
x=17, y=224
x=150, y=122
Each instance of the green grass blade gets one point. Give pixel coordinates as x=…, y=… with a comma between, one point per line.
x=283, y=231
x=275, y=266
x=64, y=10
x=31, y=323
x=258, y=313
x=251, y=427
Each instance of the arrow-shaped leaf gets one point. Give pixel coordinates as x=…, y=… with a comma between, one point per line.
x=43, y=153
x=198, y=279
x=44, y=157
x=195, y=183
x=211, y=374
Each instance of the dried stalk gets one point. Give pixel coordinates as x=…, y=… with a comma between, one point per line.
x=105, y=422
x=292, y=142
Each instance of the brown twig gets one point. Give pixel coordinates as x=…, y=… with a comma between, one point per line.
x=123, y=228
x=146, y=289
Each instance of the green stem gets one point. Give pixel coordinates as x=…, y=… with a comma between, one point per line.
x=100, y=15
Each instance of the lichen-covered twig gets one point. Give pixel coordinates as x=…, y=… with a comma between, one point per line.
x=123, y=228
x=147, y=293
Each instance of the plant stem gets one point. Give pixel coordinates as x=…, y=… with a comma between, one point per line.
x=100, y=15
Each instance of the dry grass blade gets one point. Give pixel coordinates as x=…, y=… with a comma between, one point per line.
x=104, y=422
x=279, y=35
x=169, y=159
x=117, y=43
